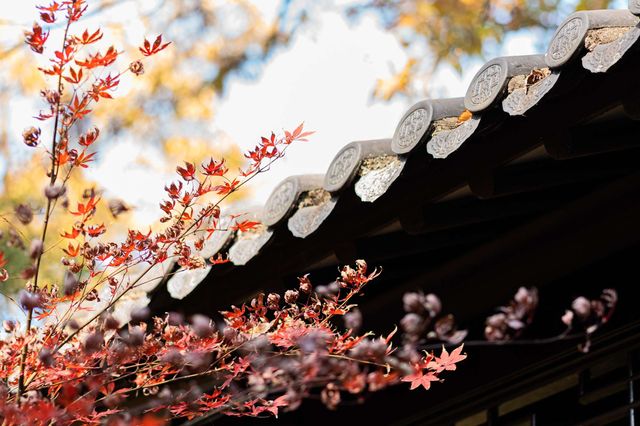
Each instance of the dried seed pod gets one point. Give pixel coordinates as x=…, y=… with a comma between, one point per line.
x=24, y=213
x=54, y=191
x=29, y=300
x=137, y=67
x=93, y=342
x=291, y=296
x=31, y=136
x=201, y=325
x=140, y=315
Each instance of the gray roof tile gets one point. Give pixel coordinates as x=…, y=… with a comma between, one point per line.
x=377, y=174
x=446, y=142
x=346, y=163
x=604, y=56
x=414, y=126
x=284, y=197
x=491, y=82
x=520, y=100
x=568, y=41
x=308, y=219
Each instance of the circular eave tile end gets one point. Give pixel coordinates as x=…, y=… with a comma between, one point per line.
x=567, y=41
x=486, y=86
x=280, y=202
x=634, y=7
x=343, y=167
x=412, y=128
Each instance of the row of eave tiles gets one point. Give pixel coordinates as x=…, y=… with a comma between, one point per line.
x=599, y=39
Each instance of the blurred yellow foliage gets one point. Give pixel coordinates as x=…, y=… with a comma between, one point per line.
x=215, y=38
x=196, y=150
x=24, y=72
x=25, y=185
x=398, y=83
x=450, y=30
x=177, y=96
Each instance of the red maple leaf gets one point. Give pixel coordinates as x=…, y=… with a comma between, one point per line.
x=96, y=230
x=87, y=208
x=36, y=38
x=297, y=135
x=99, y=59
x=235, y=313
x=214, y=400
x=83, y=159
x=239, y=366
x=227, y=187
x=71, y=235
x=218, y=259
x=64, y=56
x=186, y=199
x=418, y=378
x=174, y=189
x=272, y=406
x=76, y=9
x=74, y=76
x=47, y=17
x=188, y=172
x=167, y=206
x=214, y=168
x=88, y=38
x=447, y=361
x=245, y=225
x=72, y=250
x=147, y=49
x=90, y=137
x=53, y=7
x=79, y=107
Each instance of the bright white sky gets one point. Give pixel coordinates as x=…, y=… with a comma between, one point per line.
x=324, y=78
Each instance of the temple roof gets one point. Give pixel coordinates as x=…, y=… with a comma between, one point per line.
x=531, y=178
x=516, y=109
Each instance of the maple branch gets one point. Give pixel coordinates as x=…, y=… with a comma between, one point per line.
x=147, y=270
x=23, y=356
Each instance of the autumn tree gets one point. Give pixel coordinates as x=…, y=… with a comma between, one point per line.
x=450, y=32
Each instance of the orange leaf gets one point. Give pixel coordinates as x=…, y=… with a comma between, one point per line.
x=465, y=116
x=245, y=226
x=71, y=235
x=72, y=250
